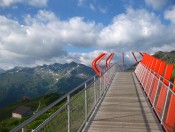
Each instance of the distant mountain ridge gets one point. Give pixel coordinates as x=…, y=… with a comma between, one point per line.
x=2, y=71
x=39, y=80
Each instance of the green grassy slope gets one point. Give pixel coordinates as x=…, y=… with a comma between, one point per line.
x=7, y=122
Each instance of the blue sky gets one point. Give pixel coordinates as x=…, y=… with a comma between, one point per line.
x=100, y=11
x=36, y=32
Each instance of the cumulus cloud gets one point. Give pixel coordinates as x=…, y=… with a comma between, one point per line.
x=83, y=58
x=156, y=4
x=86, y=58
x=8, y=2
x=44, y=37
x=170, y=14
x=30, y=40
x=133, y=30
x=36, y=3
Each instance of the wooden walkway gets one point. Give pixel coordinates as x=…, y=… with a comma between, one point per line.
x=124, y=108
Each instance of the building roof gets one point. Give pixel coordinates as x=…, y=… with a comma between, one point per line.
x=21, y=110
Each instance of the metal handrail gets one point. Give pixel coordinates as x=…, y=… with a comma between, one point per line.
x=25, y=123
x=48, y=107
x=161, y=78
x=169, y=91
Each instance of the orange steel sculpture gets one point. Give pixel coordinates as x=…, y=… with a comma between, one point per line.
x=123, y=61
x=108, y=60
x=141, y=54
x=97, y=68
x=96, y=62
x=136, y=58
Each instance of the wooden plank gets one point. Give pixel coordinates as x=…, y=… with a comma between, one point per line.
x=124, y=108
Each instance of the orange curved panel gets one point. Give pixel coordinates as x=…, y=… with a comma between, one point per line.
x=95, y=63
x=150, y=58
x=153, y=63
x=162, y=68
x=168, y=73
x=155, y=86
x=156, y=68
x=170, y=117
x=163, y=90
x=98, y=63
x=145, y=58
x=108, y=60
x=150, y=61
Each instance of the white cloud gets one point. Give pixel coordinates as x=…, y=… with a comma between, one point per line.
x=86, y=58
x=156, y=4
x=8, y=2
x=83, y=58
x=36, y=3
x=167, y=47
x=135, y=30
x=44, y=37
x=170, y=14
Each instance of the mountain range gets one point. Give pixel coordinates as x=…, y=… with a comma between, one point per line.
x=55, y=78
x=2, y=71
x=33, y=82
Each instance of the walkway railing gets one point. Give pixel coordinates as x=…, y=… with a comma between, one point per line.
x=155, y=80
x=76, y=108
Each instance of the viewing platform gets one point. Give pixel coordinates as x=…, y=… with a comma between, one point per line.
x=124, y=108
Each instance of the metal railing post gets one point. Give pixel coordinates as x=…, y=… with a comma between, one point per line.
x=151, y=85
x=100, y=85
x=95, y=97
x=23, y=129
x=143, y=74
x=166, y=100
x=104, y=82
x=86, y=111
x=146, y=81
x=68, y=113
x=139, y=70
x=107, y=77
